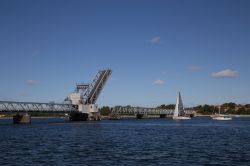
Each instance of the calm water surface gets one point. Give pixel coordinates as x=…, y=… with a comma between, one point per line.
x=199, y=141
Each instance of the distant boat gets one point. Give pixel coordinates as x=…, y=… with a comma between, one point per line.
x=221, y=116
x=179, y=113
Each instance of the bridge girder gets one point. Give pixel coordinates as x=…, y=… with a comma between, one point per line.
x=11, y=106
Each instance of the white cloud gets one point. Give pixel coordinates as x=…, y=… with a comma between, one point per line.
x=194, y=68
x=155, y=40
x=164, y=72
x=31, y=82
x=35, y=53
x=6, y=98
x=227, y=73
x=158, y=82
x=25, y=94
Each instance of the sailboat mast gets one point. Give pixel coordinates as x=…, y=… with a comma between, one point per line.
x=219, y=109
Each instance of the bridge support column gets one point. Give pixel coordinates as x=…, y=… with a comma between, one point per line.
x=21, y=119
x=162, y=115
x=139, y=116
x=95, y=116
x=191, y=115
x=114, y=116
x=78, y=116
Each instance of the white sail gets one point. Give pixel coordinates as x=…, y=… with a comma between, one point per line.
x=179, y=109
x=176, y=110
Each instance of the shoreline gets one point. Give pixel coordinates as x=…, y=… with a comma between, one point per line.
x=124, y=116
x=36, y=117
x=231, y=115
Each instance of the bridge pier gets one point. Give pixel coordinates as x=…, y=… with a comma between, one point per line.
x=191, y=115
x=114, y=116
x=21, y=119
x=78, y=116
x=95, y=116
x=163, y=115
x=139, y=116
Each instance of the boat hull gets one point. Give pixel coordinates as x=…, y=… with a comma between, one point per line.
x=221, y=118
x=181, y=118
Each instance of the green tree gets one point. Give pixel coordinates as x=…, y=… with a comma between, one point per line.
x=205, y=109
x=241, y=111
x=105, y=110
x=169, y=106
x=231, y=105
x=247, y=106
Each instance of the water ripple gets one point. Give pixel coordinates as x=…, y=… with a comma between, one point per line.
x=199, y=141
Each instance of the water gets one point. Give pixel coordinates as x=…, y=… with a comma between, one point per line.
x=199, y=141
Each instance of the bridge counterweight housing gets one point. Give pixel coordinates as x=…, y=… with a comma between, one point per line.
x=86, y=95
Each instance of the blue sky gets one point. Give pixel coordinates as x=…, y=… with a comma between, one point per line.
x=155, y=49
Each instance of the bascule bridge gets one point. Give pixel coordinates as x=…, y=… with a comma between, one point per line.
x=85, y=96
x=80, y=104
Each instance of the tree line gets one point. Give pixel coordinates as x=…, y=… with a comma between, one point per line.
x=226, y=108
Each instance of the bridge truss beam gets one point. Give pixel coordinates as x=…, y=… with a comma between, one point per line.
x=146, y=111
x=10, y=106
x=141, y=110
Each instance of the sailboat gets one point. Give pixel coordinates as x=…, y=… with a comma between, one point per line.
x=221, y=116
x=179, y=113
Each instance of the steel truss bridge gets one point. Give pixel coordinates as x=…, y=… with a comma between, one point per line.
x=145, y=111
x=141, y=110
x=15, y=107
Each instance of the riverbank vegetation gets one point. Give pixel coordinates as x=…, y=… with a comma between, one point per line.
x=226, y=108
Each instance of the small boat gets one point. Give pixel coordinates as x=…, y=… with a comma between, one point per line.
x=221, y=116
x=181, y=118
x=179, y=113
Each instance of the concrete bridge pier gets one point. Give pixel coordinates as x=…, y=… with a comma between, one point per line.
x=114, y=116
x=163, y=115
x=21, y=119
x=78, y=116
x=139, y=116
x=96, y=116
